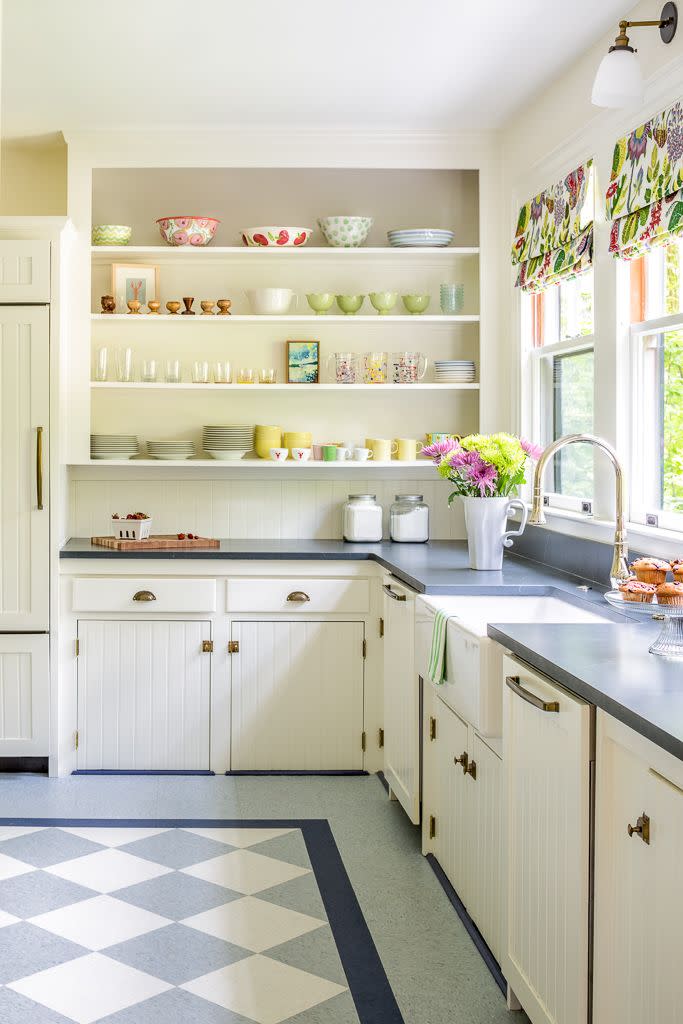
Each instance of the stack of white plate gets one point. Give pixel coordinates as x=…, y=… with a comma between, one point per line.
x=433, y=237
x=170, y=449
x=228, y=442
x=113, y=446
x=454, y=371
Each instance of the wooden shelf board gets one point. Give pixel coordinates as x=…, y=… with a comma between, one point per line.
x=189, y=253
x=266, y=464
x=290, y=318
x=294, y=388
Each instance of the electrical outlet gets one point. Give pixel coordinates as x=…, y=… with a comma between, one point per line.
x=651, y=519
x=587, y=508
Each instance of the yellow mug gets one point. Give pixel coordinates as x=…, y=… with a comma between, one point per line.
x=382, y=449
x=265, y=438
x=297, y=439
x=406, y=449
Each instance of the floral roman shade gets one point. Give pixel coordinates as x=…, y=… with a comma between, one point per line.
x=554, y=237
x=644, y=199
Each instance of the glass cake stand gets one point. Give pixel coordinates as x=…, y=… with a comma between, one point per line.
x=669, y=643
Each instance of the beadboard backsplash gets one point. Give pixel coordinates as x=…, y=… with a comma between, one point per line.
x=243, y=509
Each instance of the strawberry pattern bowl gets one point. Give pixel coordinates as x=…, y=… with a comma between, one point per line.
x=275, y=236
x=187, y=230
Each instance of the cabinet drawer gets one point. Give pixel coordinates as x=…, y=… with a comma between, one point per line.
x=303, y=595
x=132, y=595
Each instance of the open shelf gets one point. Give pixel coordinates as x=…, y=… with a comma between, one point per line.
x=140, y=385
x=291, y=318
x=346, y=464
x=232, y=253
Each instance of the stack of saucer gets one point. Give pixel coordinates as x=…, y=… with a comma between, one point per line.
x=432, y=237
x=228, y=442
x=113, y=446
x=454, y=371
x=170, y=449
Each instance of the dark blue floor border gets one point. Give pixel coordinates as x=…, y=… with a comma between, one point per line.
x=140, y=771
x=368, y=983
x=299, y=771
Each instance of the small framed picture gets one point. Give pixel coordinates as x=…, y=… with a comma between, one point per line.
x=303, y=362
x=133, y=281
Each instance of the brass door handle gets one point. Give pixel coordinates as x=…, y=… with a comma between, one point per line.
x=471, y=769
x=641, y=828
x=392, y=594
x=298, y=597
x=39, y=468
x=543, y=705
x=144, y=595
x=463, y=761
x=432, y=727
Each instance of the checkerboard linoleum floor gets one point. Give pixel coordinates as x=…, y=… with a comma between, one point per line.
x=144, y=925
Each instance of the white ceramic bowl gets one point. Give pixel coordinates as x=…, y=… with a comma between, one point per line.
x=227, y=454
x=269, y=301
x=275, y=236
x=345, y=232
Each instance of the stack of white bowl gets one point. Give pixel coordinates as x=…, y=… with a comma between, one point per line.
x=431, y=237
x=454, y=371
x=170, y=449
x=228, y=442
x=113, y=446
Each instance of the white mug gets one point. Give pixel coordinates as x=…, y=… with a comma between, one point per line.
x=362, y=454
x=343, y=453
x=279, y=454
x=301, y=454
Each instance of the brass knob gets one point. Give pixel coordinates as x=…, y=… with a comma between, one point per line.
x=462, y=760
x=471, y=769
x=641, y=828
x=298, y=597
x=144, y=595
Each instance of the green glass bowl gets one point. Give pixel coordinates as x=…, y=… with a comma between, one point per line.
x=320, y=302
x=416, y=303
x=383, y=302
x=350, y=304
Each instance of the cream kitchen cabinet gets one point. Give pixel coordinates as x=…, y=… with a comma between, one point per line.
x=144, y=692
x=297, y=695
x=24, y=695
x=638, y=879
x=401, y=698
x=24, y=271
x=462, y=808
x=547, y=759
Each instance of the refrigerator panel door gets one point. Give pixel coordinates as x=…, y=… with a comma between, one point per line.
x=24, y=695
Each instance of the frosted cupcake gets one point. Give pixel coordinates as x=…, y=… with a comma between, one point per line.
x=670, y=593
x=650, y=570
x=640, y=593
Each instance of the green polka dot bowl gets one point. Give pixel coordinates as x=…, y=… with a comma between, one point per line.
x=345, y=232
x=111, y=234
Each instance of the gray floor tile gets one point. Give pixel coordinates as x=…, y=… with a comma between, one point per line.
x=338, y=1010
x=38, y=892
x=17, y=1009
x=25, y=949
x=290, y=848
x=300, y=894
x=177, y=897
x=315, y=952
x=175, y=1007
x=44, y=848
x=176, y=849
x=176, y=954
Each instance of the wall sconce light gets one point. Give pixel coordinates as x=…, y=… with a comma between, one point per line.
x=619, y=80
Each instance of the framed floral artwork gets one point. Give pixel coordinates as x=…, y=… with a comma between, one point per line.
x=303, y=362
x=131, y=281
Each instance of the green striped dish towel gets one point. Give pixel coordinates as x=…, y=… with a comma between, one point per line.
x=437, y=655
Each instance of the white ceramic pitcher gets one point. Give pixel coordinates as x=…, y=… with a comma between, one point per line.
x=487, y=536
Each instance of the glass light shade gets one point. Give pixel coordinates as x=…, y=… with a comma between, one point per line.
x=619, y=80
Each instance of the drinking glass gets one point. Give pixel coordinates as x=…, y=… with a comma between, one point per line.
x=101, y=364
x=200, y=372
x=375, y=367
x=452, y=298
x=149, y=370
x=345, y=367
x=221, y=373
x=267, y=376
x=245, y=376
x=173, y=371
x=124, y=365
x=408, y=367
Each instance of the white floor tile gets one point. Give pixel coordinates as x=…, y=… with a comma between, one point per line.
x=241, y=837
x=108, y=870
x=87, y=989
x=114, y=836
x=13, y=831
x=100, y=922
x=10, y=868
x=6, y=919
x=263, y=990
x=245, y=871
x=253, y=924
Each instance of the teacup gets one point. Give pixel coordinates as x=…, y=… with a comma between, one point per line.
x=343, y=453
x=383, y=302
x=382, y=448
x=301, y=454
x=434, y=438
x=317, y=452
x=406, y=449
x=279, y=454
x=362, y=454
x=350, y=304
x=320, y=302
x=416, y=303
x=329, y=452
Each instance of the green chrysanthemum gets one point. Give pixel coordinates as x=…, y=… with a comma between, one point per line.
x=502, y=450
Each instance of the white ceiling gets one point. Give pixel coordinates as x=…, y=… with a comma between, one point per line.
x=448, y=64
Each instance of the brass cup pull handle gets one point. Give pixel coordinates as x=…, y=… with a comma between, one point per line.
x=513, y=683
x=641, y=828
x=39, y=468
x=471, y=769
x=144, y=595
x=392, y=593
x=463, y=761
x=298, y=597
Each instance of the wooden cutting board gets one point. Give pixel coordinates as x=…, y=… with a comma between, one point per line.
x=158, y=542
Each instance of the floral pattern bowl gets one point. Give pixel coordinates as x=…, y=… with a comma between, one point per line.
x=276, y=236
x=187, y=230
x=345, y=232
x=111, y=234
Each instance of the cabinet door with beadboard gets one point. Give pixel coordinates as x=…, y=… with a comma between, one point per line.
x=486, y=804
x=24, y=695
x=144, y=690
x=401, y=698
x=297, y=695
x=454, y=819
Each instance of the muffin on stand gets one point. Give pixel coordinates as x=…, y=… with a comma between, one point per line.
x=670, y=593
x=677, y=569
x=650, y=570
x=640, y=593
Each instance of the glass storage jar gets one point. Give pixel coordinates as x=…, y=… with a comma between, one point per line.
x=362, y=518
x=409, y=519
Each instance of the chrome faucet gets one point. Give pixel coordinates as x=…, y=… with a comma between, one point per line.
x=619, y=570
